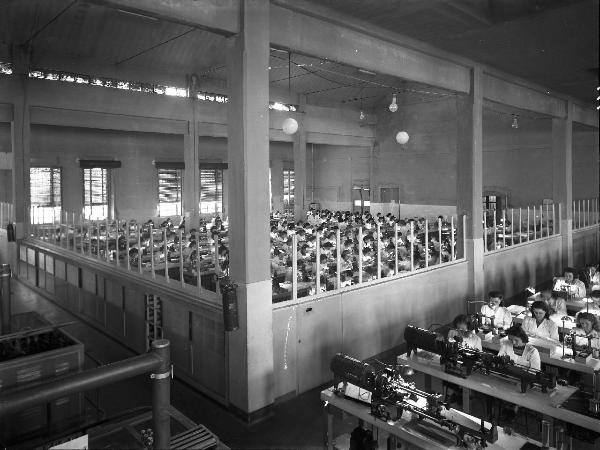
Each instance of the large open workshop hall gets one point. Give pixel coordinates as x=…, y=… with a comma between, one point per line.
x=299, y=224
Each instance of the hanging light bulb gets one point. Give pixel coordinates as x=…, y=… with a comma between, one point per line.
x=393, y=106
x=362, y=115
x=515, y=122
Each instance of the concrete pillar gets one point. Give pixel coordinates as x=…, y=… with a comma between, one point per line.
x=191, y=176
x=21, y=138
x=251, y=387
x=469, y=189
x=277, y=184
x=562, y=171
x=300, y=206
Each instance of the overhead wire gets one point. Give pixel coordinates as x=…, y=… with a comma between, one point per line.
x=47, y=24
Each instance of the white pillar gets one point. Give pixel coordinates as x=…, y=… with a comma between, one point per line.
x=251, y=384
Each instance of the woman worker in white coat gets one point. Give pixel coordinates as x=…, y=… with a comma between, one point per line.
x=516, y=347
x=495, y=308
x=539, y=324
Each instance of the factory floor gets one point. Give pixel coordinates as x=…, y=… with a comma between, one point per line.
x=298, y=423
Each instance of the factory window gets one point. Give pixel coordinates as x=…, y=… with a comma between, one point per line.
x=170, y=183
x=288, y=191
x=211, y=191
x=45, y=194
x=96, y=193
x=490, y=203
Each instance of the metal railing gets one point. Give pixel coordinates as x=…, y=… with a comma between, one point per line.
x=329, y=260
x=514, y=226
x=180, y=259
x=585, y=213
x=7, y=213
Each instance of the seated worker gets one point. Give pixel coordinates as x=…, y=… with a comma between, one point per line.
x=591, y=276
x=495, y=308
x=539, y=324
x=516, y=347
x=587, y=327
x=462, y=328
x=593, y=305
x=556, y=305
x=569, y=284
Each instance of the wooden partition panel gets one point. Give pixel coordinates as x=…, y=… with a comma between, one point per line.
x=513, y=269
x=116, y=305
x=585, y=246
x=362, y=322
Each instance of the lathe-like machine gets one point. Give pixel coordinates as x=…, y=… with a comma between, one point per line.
x=390, y=396
x=461, y=361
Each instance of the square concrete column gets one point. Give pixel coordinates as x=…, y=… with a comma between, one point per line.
x=191, y=176
x=300, y=165
x=250, y=353
x=21, y=139
x=562, y=171
x=469, y=189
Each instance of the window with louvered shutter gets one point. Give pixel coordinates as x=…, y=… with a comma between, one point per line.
x=45, y=193
x=169, y=191
x=211, y=191
x=96, y=192
x=288, y=191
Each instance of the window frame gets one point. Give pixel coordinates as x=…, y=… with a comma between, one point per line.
x=218, y=201
x=89, y=214
x=49, y=210
x=180, y=173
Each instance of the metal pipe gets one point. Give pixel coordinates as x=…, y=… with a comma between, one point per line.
x=152, y=251
x=198, y=277
x=77, y=382
x=161, y=394
x=181, y=279
x=5, y=300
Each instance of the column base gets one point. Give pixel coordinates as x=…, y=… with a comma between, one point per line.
x=252, y=418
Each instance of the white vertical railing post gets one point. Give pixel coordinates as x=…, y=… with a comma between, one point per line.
x=503, y=228
x=360, y=255
x=495, y=232
x=528, y=224
x=440, y=239
x=485, y=233
x=412, y=246
x=559, y=218
x=117, y=236
x=588, y=212
x=106, y=239
x=464, y=234
x=338, y=259
x=534, y=224
x=396, y=248
x=378, y=250
x=578, y=213
x=199, y=277
x=294, y=267
x=127, y=246
x=152, y=251
x=166, y=252
x=547, y=219
x=318, y=263
x=426, y=243
x=520, y=225
x=181, y=278
x=452, y=249
x=512, y=226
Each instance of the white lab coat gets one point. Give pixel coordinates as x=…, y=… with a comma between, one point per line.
x=547, y=329
x=530, y=357
x=471, y=341
x=502, y=317
x=577, y=289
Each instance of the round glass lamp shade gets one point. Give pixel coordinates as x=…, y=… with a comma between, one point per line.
x=289, y=126
x=402, y=137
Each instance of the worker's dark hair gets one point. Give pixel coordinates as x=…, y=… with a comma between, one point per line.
x=497, y=294
x=540, y=304
x=587, y=316
x=517, y=331
x=462, y=318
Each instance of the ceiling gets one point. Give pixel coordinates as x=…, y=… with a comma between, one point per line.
x=552, y=42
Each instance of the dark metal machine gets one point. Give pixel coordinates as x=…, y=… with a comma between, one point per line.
x=391, y=395
x=462, y=361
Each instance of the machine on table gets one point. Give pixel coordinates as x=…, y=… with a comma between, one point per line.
x=462, y=361
x=390, y=395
